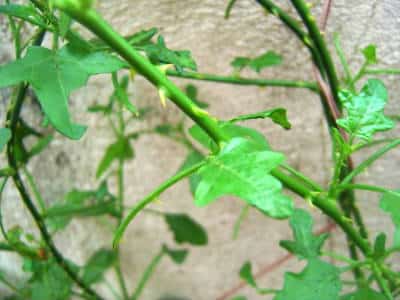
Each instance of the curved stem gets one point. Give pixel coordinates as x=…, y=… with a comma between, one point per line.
x=151, y=197
x=244, y=81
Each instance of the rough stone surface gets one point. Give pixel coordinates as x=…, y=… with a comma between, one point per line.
x=200, y=27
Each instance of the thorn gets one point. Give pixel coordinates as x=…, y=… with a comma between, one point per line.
x=162, y=92
x=165, y=68
x=132, y=73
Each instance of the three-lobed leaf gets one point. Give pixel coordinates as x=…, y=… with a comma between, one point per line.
x=364, y=111
x=54, y=75
x=305, y=245
x=242, y=170
x=268, y=59
x=186, y=230
x=319, y=280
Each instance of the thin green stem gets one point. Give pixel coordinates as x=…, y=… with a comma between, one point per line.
x=366, y=163
x=319, y=42
x=34, y=188
x=244, y=81
x=91, y=20
x=151, y=197
x=311, y=183
x=243, y=213
x=382, y=71
x=345, y=64
x=147, y=274
x=365, y=187
x=380, y=280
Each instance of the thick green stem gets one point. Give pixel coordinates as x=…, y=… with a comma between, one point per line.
x=244, y=81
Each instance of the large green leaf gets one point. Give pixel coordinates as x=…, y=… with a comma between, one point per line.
x=364, y=111
x=268, y=59
x=54, y=75
x=305, y=245
x=186, y=230
x=241, y=169
x=319, y=280
x=5, y=135
x=97, y=264
x=364, y=294
x=390, y=203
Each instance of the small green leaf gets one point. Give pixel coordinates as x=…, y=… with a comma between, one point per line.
x=121, y=94
x=54, y=75
x=97, y=264
x=121, y=149
x=142, y=37
x=380, y=246
x=258, y=63
x=242, y=170
x=319, y=280
x=246, y=274
x=191, y=92
x=305, y=245
x=192, y=158
x=186, y=230
x=5, y=136
x=390, y=203
x=277, y=115
x=158, y=54
x=364, y=294
x=178, y=256
x=40, y=145
x=364, y=112
x=26, y=13
x=369, y=53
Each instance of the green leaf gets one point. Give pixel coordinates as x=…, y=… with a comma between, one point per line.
x=305, y=245
x=369, y=53
x=319, y=280
x=192, y=158
x=159, y=54
x=277, y=115
x=186, y=230
x=380, y=246
x=54, y=75
x=121, y=94
x=5, y=136
x=121, y=149
x=258, y=63
x=364, y=294
x=191, y=92
x=246, y=274
x=390, y=203
x=178, y=256
x=97, y=264
x=64, y=24
x=242, y=170
x=231, y=131
x=142, y=37
x=364, y=112
x=40, y=145
x=26, y=13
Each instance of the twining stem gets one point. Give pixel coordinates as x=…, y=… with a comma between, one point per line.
x=147, y=274
x=151, y=197
x=244, y=81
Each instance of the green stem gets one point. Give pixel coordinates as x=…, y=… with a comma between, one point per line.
x=364, y=187
x=91, y=20
x=382, y=71
x=319, y=42
x=366, y=163
x=151, y=197
x=244, y=81
x=311, y=183
x=343, y=60
x=381, y=281
x=147, y=274
x=35, y=190
x=239, y=221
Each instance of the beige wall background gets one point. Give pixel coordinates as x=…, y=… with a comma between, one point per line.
x=199, y=26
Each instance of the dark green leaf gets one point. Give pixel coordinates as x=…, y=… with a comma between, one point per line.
x=186, y=230
x=26, y=13
x=277, y=115
x=305, y=245
x=40, y=145
x=390, y=203
x=379, y=245
x=178, y=256
x=5, y=136
x=121, y=149
x=191, y=92
x=98, y=263
x=258, y=63
x=54, y=75
x=158, y=53
x=364, y=112
x=242, y=170
x=369, y=53
x=364, y=294
x=192, y=158
x=319, y=280
x=246, y=274
x=142, y=37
